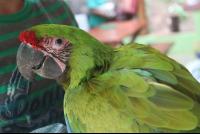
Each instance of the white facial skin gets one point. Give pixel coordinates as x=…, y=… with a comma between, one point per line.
x=55, y=48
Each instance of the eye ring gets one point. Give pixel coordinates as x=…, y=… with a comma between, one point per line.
x=58, y=42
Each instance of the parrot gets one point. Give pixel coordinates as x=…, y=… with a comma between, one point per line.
x=131, y=89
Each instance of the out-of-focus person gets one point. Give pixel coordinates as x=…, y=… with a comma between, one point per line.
x=100, y=11
x=127, y=9
x=26, y=106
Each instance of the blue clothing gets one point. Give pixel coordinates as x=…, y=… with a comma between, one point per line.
x=194, y=68
x=95, y=20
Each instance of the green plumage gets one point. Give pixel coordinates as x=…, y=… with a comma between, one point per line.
x=134, y=88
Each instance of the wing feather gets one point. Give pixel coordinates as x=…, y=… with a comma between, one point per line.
x=167, y=98
x=156, y=105
x=164, y=76
x=148, y=88
x=181, y=120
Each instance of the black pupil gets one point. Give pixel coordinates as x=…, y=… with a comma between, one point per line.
x=59, y=41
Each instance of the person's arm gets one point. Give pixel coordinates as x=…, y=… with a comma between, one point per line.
x=97, y=12
x=93, y=5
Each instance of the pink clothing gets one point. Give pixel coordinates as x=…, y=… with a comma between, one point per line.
x=128, y=6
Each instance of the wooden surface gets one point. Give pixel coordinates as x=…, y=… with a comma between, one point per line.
x=162, y=47
x=115, y=35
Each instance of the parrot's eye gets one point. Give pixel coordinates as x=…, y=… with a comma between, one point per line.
x=59, y=42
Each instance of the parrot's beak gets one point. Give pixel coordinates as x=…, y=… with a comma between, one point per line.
x=31, y=61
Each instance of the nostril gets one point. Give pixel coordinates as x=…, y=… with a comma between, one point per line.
x=37, y=67
x=40, y=64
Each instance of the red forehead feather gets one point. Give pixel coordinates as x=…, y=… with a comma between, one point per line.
x=30, y=37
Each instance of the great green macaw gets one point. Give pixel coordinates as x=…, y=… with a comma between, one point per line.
x=134, y=88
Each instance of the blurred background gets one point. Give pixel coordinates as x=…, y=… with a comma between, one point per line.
x=171, y=26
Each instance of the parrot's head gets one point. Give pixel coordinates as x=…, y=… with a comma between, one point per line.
x=49, y=50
